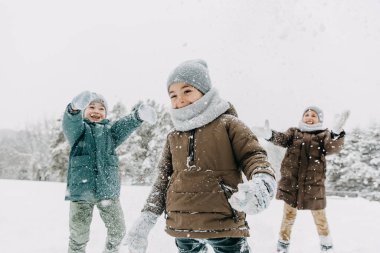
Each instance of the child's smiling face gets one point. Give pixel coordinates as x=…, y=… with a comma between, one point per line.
x=183, y=94
x=95, y=112
x=310, y=117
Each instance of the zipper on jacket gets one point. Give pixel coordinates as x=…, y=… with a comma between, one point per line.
x=235, y=216
x=190, y=151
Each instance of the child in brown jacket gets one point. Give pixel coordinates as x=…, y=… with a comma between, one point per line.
x=302, y=183
x=200, y=182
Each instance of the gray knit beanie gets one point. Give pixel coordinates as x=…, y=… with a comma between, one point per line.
x=317, y=110
x=96, y=97
x=193, y=72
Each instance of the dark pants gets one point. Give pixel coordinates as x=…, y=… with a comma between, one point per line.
x=220, y=245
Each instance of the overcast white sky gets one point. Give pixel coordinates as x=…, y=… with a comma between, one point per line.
x=269, y=58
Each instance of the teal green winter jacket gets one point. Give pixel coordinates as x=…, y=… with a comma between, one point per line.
x=93, y=172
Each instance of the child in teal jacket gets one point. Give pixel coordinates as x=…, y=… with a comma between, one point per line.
x=93, y=174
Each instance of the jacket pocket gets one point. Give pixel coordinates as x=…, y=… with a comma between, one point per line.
x=81, y=179
x=228, y=191
x=110, y=175
x=79, y=161
x=81, y=169
x=315, y=191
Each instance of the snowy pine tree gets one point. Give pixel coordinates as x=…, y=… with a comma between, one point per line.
x=14, y=156
x=119, y=110
x=356, y=167
x=140, y=154
x=60, y=151
x=23, y=154
x=39, y=137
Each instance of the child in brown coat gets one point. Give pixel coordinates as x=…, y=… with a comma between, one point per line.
x=302, y=183
x=200, y=183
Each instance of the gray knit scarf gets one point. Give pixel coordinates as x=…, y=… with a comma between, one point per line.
x=199, y=113
x=310, y=128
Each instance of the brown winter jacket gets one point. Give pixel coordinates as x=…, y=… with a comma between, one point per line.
x=198, y=171
x=303, y=169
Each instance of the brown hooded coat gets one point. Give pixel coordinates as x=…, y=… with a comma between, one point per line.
x=198, y=171
x=303, y=169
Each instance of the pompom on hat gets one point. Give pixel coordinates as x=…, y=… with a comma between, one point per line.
x=193, y=72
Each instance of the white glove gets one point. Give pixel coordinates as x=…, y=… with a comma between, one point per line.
x=264, y=132
x=339, y=121
x=255, y=195
x=147, y=113
x=136, y=240
x=82, y=100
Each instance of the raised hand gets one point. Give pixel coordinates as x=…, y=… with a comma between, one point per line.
x=82, y=100
x=146, y=113
x=339, y=121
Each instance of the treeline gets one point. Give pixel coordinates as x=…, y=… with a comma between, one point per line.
x=41, y=152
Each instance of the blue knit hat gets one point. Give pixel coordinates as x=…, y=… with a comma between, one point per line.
x=193, y=72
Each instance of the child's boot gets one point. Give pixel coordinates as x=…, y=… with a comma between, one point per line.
x=326, y=244
x=282, y=246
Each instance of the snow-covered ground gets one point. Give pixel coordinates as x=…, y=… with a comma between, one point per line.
x=34, y=218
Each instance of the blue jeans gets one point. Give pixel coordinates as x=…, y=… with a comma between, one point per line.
x=220, y=245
